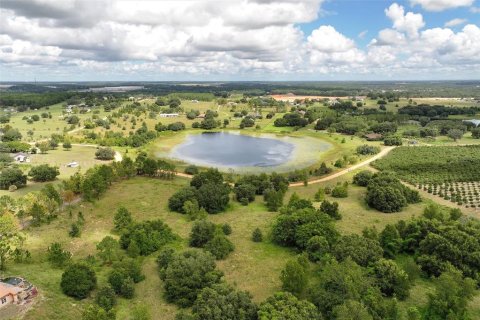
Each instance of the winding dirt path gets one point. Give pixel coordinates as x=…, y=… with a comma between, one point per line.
x=379, y=155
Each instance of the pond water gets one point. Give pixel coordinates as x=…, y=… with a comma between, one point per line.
x=221, y=149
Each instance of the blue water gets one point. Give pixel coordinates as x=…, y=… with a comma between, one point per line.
x=233, y=150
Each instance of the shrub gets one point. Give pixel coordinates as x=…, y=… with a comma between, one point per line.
x=105, y=154
x=191, y=169
x=149, y=236
x=244, y=193
x=257, y=235
x=284, y=305
x=106, y=298
x=340, y=191
x=219, y=246
x=367, y=149
x=74, y=230
x=178, y=199
x=391, y=279
x=392, y=141
x=122, y=220
x=78, y=281
x=331, y=209
x=362, y=178
x=223, y=302
x=187, y=274
x=202, y=232
x=12, y=176
x=273, y=199
x=227, y=229
x=294, y=277
x=57, y=256
x=43, y=173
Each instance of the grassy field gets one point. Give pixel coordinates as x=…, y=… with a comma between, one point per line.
x=252, y=266
x=84, y=155
x=45, y=127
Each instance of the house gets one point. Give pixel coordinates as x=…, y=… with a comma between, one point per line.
x=21, y=157
x=373, y=136
x=9, y=294
x=14, y=290
x=201, y=116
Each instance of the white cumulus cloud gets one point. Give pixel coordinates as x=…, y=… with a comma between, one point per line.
x=440, y=5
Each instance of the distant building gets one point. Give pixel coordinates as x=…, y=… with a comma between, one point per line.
x=21, y=157
x=201, y=116
x=168, y=115
x=373, y=136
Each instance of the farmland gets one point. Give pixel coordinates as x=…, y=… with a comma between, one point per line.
x=136, y=216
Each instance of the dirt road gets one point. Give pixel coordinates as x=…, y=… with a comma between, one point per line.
x=379, y=155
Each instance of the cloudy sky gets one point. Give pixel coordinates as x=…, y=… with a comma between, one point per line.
x=69, y=40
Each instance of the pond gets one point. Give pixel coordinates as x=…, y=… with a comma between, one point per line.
x=248, y=153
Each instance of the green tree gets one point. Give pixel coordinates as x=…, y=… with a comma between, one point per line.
x=43, y=172
x=106, y=298
x=294, y=277
x=78, y=281
x=219, y=246
x=390, y=241
x=12, y=176
x=223, y=302
x=57, y=256
x=95, y=312
x=122, y=220
x=362, y=178
x=361, y=250
x=257, y=235
x=391, y=279
x=67, y=145
x=455, y=134
x=213, y=197
x=105, y=154
x=187, y=274
x=285, y=306
x=273, y=199
x=352, y=310
x=10, y=238
x=108, y=249
x=451, y=297
x=202, y=232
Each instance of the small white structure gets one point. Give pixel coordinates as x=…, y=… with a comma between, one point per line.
x=21, y=157
x=474, y=121
x=168, y=115
x=72, y=164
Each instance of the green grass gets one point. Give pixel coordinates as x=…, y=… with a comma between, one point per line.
x=248, y=266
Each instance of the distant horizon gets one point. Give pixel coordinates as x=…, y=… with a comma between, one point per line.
x=240, y=81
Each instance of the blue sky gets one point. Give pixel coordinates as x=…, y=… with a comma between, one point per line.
x=72, y=40
x=351, y=17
